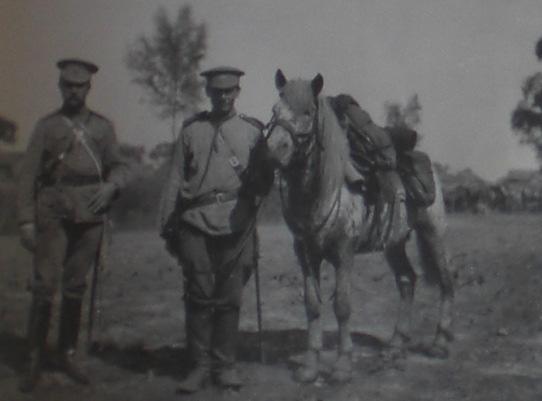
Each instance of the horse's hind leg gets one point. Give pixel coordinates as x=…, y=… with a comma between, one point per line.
x=434, y=259
x=310, y=264
x=342, y=370
x=405, y=279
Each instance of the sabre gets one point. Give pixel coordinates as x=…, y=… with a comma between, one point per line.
x=93, y=309
x=259, y=312
x=95, y=302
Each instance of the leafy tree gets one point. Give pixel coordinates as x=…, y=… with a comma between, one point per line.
x=165, y=64
x=401, y=116
x=526, y=119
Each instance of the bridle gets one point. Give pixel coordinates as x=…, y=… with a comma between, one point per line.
x=304, y=144
x=303, y=141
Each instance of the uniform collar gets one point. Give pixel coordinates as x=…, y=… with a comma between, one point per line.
x=81, y=116
x=221, y=119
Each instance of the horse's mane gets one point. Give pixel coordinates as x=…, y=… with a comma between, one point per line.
x=334, y=142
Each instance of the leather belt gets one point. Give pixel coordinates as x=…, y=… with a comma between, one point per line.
x=209, y=199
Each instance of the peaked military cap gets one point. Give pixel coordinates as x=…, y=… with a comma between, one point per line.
x=75, y=70
x=223, y=77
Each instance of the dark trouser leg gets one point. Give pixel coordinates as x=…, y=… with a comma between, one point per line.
x=83, y=246
x=70, y=319
x=239, y=251
x=51, y=243
x=224, y=348
x=198, y=334
x=38, y=327
x=199, y=284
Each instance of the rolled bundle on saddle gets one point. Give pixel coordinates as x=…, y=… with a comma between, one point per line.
x=372, y=155
x=371, y=147
x=414, y=167
x=375, y=150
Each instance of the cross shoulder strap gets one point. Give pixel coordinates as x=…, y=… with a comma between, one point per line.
x=80, y=131
x=233, y=160
x=252, y=121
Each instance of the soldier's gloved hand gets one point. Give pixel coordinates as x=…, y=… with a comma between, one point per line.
x=103, y=197
x=27, y=233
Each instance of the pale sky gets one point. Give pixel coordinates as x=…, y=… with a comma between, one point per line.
x=466, y=59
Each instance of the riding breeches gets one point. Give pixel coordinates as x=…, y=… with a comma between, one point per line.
x=65, y=252
x=216, y=268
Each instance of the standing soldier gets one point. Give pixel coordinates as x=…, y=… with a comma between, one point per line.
x=208, y=218
x=71, y=172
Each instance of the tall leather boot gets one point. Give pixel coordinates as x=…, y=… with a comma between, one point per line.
x=38, y=327
x=70, y=320
x=198, y=330
x=224, y=347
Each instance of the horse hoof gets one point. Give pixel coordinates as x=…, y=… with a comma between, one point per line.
x=306, y=374
x=342, y=369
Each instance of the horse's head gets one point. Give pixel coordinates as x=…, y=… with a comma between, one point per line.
x=292, y=126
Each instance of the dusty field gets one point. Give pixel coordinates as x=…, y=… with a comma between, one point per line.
x=497, y=355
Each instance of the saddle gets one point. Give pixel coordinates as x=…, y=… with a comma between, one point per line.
x=371, y=170
x=371, y=148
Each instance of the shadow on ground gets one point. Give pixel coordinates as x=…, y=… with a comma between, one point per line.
x=12, y=351
x=278, y=347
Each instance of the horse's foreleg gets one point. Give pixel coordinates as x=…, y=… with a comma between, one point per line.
x=342, y=307
x=310, y=264
x=433, y=256
x=343, y=367
x=405, y=279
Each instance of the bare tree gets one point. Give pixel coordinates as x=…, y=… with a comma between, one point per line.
x=526, y=118
x=165, y=64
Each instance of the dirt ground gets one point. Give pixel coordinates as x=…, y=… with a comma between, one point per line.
x=497, y=355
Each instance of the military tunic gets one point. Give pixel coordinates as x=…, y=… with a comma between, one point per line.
x=209, y=187
x=209, y=160
x=58, y=178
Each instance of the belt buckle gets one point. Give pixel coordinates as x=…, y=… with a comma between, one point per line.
x=219, y=198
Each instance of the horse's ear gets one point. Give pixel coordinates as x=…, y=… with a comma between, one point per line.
x=317, y=84
x=280, y=79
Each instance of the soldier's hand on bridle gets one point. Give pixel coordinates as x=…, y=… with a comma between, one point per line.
x=27, y=233
x=103, y=197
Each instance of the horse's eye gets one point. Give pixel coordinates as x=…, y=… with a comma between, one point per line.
x=307, y=113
